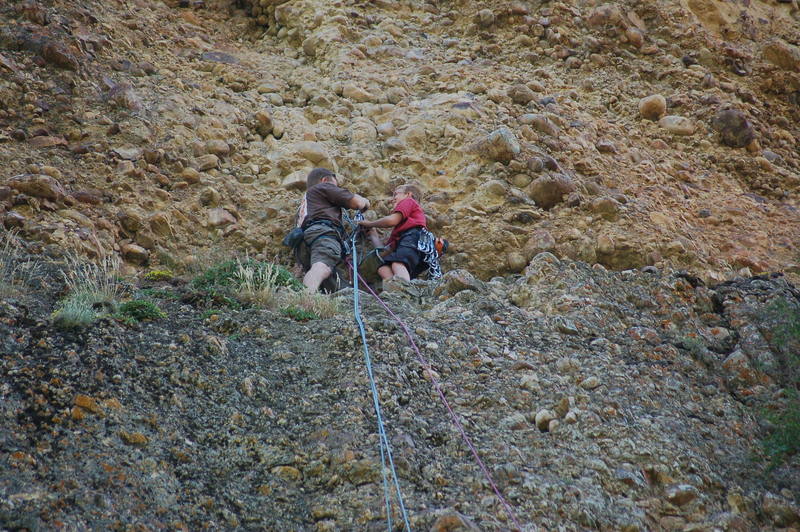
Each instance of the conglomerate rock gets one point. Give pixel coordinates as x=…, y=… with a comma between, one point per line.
x=606, y=377
x=153, y=104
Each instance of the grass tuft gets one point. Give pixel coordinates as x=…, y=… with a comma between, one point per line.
x=74, y=313
x=299, y=314
x=92, y=290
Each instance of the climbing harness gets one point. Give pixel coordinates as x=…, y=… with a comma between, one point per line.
x=386, y=449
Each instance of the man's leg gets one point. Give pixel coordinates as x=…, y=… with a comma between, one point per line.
x=400, y=271
x=319, y=272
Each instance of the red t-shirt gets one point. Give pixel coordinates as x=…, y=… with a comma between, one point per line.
x=413, y=216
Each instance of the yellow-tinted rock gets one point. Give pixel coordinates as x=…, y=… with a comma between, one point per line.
x=134, y=438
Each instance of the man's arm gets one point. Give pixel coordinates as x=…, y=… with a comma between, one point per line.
x=359, y=202
x=387, y=221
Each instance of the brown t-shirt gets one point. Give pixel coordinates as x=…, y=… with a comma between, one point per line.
x=325, y=201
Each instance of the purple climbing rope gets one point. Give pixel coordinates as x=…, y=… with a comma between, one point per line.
x=453, y=415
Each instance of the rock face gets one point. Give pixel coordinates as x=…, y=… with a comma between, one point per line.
x=249, y=418
x=507, y=135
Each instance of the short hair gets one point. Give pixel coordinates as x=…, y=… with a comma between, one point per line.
x=415, y=191
x=316, y=175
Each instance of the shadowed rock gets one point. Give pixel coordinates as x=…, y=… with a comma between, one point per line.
x=733, y=127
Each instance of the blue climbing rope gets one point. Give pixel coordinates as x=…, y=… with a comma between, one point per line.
x=386, y=449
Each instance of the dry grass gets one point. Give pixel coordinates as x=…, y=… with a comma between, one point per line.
x=15, y=271
x=321, y=305
x=256, y=284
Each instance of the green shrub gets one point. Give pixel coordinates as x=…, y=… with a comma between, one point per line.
x=157, y=293
x=140, y=310
x=781, y=326
x=299, y=314
x=210, y=312
x=230, y=274
x=251, y=281
x=784, y=440
x=159, y=275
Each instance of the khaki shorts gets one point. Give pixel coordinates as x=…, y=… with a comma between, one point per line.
x=326, y=249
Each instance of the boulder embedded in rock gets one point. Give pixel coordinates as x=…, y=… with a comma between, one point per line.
x=677, y=125
x=543, y=418
x=456, y=281
x=357, y=94
x=782, y=54
x=605, y=15
x=206, y=162
x=541, y=123
x=454, y=521
x=499, y=145
x=521, y=94
x=129, y=153
x=312, y=151
x=653, y=107
x=606, y=206
x=220, y=217
x=549, y=190
x=135, y=254
x=541, y=240
x=40, y=186
x=263, y=122
x=682, y=494
x=295, y=180
x=733, y=127
x=217, y=147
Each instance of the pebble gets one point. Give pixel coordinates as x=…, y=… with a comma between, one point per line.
x=590, y=383
x=677, y=125
x=543, y=418
x=205, y=162
x=653, y=107
x=217, y=147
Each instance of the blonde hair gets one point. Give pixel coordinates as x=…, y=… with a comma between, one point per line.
x=414, y=190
